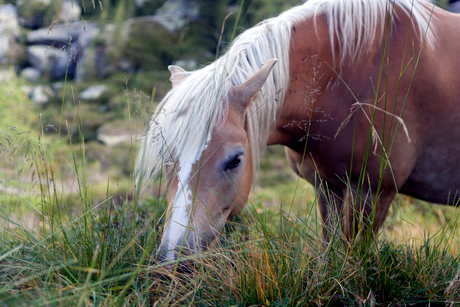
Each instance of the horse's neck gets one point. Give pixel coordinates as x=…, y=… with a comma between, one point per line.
x=310, y=63
x=318, y=92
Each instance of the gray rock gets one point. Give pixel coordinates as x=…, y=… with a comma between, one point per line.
x=53, y=61
x=70, y=10
x=175, y=13
x=126, y=65
x=82, y=34
x=37, y=56
x=41, y=94
x=93, y=92
x=9, y=31
x=113, y=135
x=140, y=3
x=30, y=74
x=187, y=64
x=56, y=86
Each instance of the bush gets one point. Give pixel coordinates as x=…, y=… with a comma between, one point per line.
x=148, y=44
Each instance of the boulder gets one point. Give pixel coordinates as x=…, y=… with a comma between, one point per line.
x=187, y=64
x=30, y=74
x=174, y=14
x=41, y=94
x=70, y=10
x=82, y=34
x=53, y=61
x=113, y=134
x=139, y=3
x=57, y=39
x=38, y=56
x=94, y=92
x=9, y=31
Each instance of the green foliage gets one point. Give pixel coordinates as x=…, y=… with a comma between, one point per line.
x=36, y=13
x=15, y=108
x=151, y=50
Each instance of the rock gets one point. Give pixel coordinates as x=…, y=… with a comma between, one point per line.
x=112, y=134
x=9, y=31
x=30, y=74
x=58, y=64
x=70, y=10
x=102, y=66
x=41, y=94
x=139, y=3
x=53, y=61
x=454, y=7
x=38, y=56
x=82, y=34
x=175, y=13
x=187, y=64
x=56, y=86
x=126, y=65
x=94, y=92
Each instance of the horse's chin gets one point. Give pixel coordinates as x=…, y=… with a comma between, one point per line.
x=185, y=250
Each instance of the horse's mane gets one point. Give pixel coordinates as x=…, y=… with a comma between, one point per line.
x=181, y=125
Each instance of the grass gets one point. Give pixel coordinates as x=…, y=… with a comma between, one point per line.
x=103, y=258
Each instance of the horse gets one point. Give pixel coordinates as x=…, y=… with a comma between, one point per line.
x=363, y=94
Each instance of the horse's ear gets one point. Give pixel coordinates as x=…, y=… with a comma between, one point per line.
x=177, y=74
x=246, y=91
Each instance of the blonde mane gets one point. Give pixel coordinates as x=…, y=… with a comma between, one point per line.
x=182, y=123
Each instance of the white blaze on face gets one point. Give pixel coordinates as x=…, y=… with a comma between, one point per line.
x=176, y=230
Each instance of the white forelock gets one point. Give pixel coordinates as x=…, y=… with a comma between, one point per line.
x=187, y=114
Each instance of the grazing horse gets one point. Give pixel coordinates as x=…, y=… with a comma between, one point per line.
x=364, y=95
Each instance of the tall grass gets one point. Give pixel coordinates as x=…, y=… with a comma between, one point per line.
x=104, y=258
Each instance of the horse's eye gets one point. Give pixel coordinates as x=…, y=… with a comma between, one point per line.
x=234, y=163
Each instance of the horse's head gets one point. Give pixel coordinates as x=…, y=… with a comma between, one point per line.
x=207, y=190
